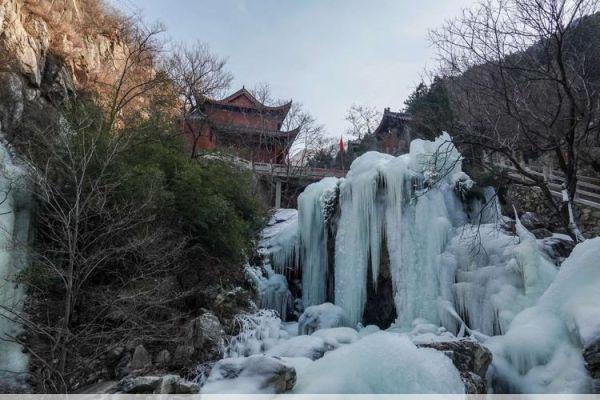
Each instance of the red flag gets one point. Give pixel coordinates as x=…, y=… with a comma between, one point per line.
x=341, y=144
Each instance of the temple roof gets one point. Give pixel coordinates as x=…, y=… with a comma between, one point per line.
x=243, y=99
x=391, y=119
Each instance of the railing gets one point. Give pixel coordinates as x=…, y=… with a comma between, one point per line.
x=283, y=170
x=588, y=188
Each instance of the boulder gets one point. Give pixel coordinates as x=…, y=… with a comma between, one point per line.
x=203, y=330
x=122, y=368
x=591, y=355
x=203, y=339
x=531, y=221
x=167, y=384
x=322, y=316
x=470, y=358
x=163, y=358
x=139, y=384
x=558, y=247
x=173, y=384
x=141, y=359
x=183, y=356
x=312, y=347
x=254, y=374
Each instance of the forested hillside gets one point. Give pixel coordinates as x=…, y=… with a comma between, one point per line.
x=135, y=248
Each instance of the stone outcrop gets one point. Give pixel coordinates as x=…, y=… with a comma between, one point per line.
x=254, y=374
x=167, y=384
x=470, y=358
x=591, y=355
x=203, y=340
x=45, y=54
x=141, y=359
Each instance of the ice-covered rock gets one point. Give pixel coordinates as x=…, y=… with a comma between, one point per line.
x=250, y=375
x=272, y=290
x=470, y=358
x=321, y=316
x=139, y=384
x=312, y=347
x=336, y=337
x=558, y=246
x=380, y=363
x=542, y=349
x=258, y=332
x=166, y=384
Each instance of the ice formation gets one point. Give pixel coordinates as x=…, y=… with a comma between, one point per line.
x=409, y=203
x=272, y=289
x=457, y=269
x=313, y=205
x=279, y=240
x=380, y=363
x=14, y=231
x=323, y=316
x=541, y=351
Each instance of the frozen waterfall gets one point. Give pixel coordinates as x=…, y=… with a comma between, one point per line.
x=454, y=265
x=314, y=208
x=14, y=232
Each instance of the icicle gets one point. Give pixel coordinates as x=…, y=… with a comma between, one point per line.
x=313, y=239
x=279, y=240
x=360, y=229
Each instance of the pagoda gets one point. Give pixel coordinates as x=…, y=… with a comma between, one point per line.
x=241, y=125
x=393, y=134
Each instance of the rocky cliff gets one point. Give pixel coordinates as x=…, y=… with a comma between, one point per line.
x=50, y=49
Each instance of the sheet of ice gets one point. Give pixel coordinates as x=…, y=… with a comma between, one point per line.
x=423, y=331
x=15, y=214
x=321, y=316
x=493, y=276
x=279, y=240
x=272, y=290
x=380, y=363
x=312, y=347
x=541, y=351
x=336, y=337
x=313, y=204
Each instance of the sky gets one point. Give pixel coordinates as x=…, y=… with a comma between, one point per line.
x=325, y=54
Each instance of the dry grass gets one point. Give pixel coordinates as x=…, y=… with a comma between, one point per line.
x=74, y=20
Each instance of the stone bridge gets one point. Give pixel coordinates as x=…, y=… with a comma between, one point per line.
x=299, y=175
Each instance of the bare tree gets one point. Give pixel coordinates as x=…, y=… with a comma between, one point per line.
x=84, y=229
x=363, y=120
x=197, y=74
x=136, y=74
x=525, y=83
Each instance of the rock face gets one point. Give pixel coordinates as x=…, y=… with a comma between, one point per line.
x=558, y=247
x=470, y=358
x=591, y=355
x=45, y=54
x=204, y=337
x=254, y=374
x=380, y=309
